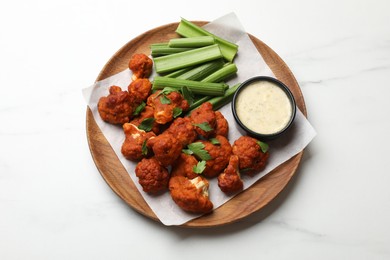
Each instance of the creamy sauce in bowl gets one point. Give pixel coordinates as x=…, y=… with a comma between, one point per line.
x=264, y=107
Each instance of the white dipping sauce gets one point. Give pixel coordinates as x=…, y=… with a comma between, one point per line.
x=263, y=107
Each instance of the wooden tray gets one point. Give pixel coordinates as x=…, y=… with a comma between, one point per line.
x=113, y=172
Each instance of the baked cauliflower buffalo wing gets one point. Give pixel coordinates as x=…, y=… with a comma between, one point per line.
x=167, y=105
x=230, y=180
x=191, y=194
x=251, y=157
x=166, y=148
x=148, y=112
x=141, y=66
x=222, y=125
x=140, y=89
x=184, y=165
x=204, y=114
x=135, y=145
x=220, y=154
x=152, y=176
x=117, y=107
x=183, y=130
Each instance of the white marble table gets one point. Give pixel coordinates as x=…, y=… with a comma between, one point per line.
x=54, y=203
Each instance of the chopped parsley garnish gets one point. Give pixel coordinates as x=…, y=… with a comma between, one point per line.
x=177, y=112
x=146, y=124
x=204, y=126
x=199, y=167
x=139, y=109
x=144, y=148
x=215, y=141
x=165, y=100
x=198, y=150
x=263, y=146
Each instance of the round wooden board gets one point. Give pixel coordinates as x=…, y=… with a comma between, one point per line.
x=242, y=205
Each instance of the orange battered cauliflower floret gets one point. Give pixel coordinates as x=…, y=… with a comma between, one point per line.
x=220, y=155
x=183, y=166
x=222, y=125
x=165, y=105
x=117, y=107
x=140, y=89
x=166, y=148
x=191, y=194
x=252, y=158
x=230, y=180
x=204, y=114
x=141, y=66
x=183, y=130
x=152, y=176
x=148, y=112
x=135, y=145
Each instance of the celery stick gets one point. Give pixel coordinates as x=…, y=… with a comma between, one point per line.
x=202, y=71
x=201, y=88
x=199, y=102
x=191, y=42
x=219, y=102
x=177, y=73
x=222, y=74
x=184, y=59
x=188, y=29
x=161, y=49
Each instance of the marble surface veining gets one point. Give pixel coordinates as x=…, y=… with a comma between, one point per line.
x=54, y=203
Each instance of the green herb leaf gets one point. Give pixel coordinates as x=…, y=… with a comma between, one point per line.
x=199, y=167
x=177, y=112
x=139, y=109
x=144, y=148
x=197, y=149
x=146, y=124
x=204, y=126
x=187, y=95
x=246, y=170
x=165, y=100
x=263, y=146
x=166, y=91
x=187, y=151
x=215, y=141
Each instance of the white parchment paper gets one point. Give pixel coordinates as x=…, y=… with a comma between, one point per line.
x=250, y=64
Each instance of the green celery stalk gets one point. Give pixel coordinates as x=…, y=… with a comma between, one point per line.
x=222, y=74
x=201, y=88
x=185, y=59
x=177, y=73
x=161, y=49
x=188, y=29
x=191, y=42
x=219, y=102
x=203, y=70
x=199, y=102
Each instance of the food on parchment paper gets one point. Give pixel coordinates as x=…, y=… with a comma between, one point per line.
x=183, y=129
x=117, y=107
x=140, y=88
x=152, y=176
x=204, y=115
x=135, y=145
x=174, y=149
x=230, y=180
x=252, y=154
x=141, y=66
x=191, y=194
x=222, y=125
x=145, y=120
x=167, y=106
x=220, y=151
x=166, y=148
x=184, y=166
